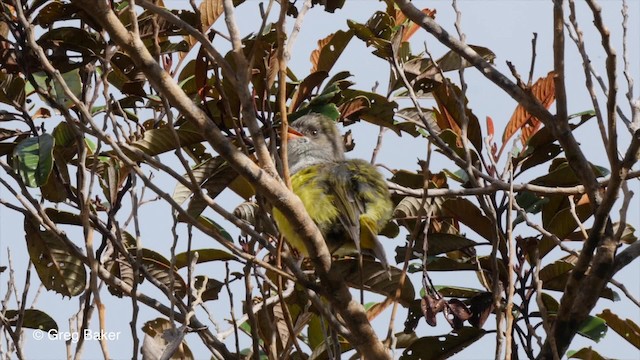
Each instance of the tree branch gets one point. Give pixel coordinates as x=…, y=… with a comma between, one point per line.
x=559, y=129
x=578, y=298
x=333, y=285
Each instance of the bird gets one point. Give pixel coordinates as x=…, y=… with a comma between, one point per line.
x=348, y=199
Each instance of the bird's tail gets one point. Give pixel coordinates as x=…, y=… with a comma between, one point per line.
x=369, y=240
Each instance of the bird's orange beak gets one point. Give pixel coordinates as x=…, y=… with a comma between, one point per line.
x=293, y=133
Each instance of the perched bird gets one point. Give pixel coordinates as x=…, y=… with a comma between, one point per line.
x=347, y=199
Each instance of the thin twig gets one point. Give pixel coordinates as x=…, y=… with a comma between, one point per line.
x=577, y=38
x=499, y=185
x=546, y=322
x=510, y=273
x=534, y=41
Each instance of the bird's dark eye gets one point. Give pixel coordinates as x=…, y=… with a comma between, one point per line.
x=314, y=132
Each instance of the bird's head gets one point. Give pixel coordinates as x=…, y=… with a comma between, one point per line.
x=313, y=139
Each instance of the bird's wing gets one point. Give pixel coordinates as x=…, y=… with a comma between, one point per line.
x=345, y=201
x=369, y=239
x=374, y=204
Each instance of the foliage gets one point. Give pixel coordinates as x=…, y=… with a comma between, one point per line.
x=88, y=174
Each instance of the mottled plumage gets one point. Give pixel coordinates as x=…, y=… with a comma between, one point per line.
x=347, y=199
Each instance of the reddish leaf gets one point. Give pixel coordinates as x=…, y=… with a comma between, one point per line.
x=413, y=27
x=544, y=90
x=42, y=113
x=490, y=128
x=450, y=117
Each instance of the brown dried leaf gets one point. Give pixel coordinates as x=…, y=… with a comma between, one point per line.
x=431, y=307
x=481, y=307
x=315, y=54
x=352, y=107
x=545, y=91
x=459, y=309
x=210, y=11
x=329, y=50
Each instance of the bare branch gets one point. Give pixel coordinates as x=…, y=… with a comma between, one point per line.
x=498, y=185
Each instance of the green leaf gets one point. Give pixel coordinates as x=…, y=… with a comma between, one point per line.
x=213, y=175
x=454, y=142
x=58, y=11
x=443, y=346
x=331, y=6
x=63, y=135
x=561, y=174
x=33, y=158
x=538, y=155
x=320, y=352
x=158, y=141
x=72, y=38
x=459, y=175
x=558, y=220
x=593, y=328
x=550, y=303
x=63, y=217
x=204, y=255
x=584, y=115
x=628, y=235
x=317, y=332
x=440, y=263
x=55, y=88
x=54, y=189
x=554, y=271
x=457, y=291
x=73, y=82
x=33, y=319
x=328, y=110
x=412, y=116
x=530, y=203
x=555, y=276
x=58, y=269
x=452, y=61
